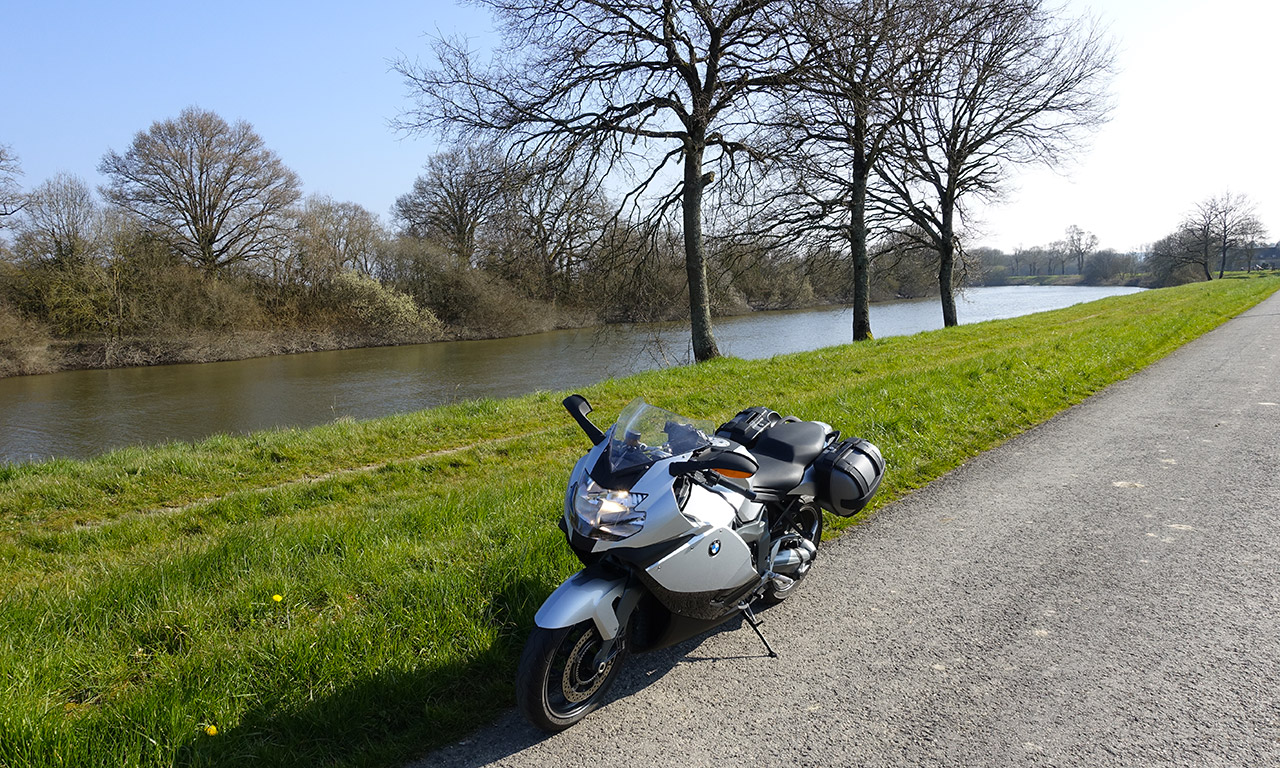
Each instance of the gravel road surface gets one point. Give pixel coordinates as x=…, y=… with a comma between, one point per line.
x=1100, y=591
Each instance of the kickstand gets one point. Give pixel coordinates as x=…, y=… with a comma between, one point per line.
x=755, y=624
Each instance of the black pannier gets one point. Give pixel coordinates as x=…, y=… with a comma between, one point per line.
x=745, y=428
x=847, y=475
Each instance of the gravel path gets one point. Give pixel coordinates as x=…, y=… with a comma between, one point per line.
x=1101, y=591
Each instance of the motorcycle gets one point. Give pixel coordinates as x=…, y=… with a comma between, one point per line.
x=680, y=526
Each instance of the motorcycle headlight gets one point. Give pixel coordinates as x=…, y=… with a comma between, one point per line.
x=600, y=513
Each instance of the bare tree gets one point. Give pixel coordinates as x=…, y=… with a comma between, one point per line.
x=11, y=198
x=1182, y=256
x=628, y=85
x=1017, y=86
x=1080, y=244
x=1214, y=229
x=1057, y=253
x=332, y=237
x=61, y=223
x=1101, y=267
x=1222, y=224
x=213, y=191
x=449, y=202
x=870, y=59
x=546, y=223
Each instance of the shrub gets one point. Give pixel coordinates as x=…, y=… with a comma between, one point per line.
x=24, y=343
x=160, y=296
x=377, y=309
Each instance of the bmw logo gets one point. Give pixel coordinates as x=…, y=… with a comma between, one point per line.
x=714, y=549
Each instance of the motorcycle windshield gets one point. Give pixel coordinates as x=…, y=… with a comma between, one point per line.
x=644, y=434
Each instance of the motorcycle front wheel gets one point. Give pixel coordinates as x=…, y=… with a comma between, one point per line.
x=558, y=681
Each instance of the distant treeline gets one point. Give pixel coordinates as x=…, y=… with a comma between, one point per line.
x=218, y=256
x=201, y=246
x=1220, y=234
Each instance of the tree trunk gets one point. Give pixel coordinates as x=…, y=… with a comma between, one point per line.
x=946, y=270
x=861, y=261
x=695, y=261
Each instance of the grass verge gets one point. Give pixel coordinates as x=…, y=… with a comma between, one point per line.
x=137, y=597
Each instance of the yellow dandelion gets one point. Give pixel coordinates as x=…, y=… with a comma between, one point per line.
x=277, y=598
x=212, y=730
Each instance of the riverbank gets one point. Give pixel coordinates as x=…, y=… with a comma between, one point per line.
x=27, y=353
x=19, y=359
x=409, y=553
x=102, y=354
x=24, y=352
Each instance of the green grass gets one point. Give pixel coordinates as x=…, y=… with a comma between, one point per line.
x=411, y=552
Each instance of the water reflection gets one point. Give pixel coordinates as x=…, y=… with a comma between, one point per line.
x=81, y=413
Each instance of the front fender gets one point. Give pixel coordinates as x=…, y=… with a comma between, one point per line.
x=587, y=594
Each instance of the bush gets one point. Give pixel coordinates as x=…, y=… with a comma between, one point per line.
x=24, y=344
x=765, y=280
x=158, y=295
x=995, y=274
x=1107, y=268
x=381, y=311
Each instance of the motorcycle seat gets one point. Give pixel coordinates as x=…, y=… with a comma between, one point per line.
x=784, y=451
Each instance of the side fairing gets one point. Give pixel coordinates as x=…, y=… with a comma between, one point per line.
x=715, y=561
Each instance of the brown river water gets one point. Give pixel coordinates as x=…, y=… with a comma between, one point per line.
x=78, y=414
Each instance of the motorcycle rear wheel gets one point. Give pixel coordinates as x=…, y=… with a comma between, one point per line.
x=558, y=683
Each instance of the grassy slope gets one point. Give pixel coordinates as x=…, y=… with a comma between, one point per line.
x=136, y=595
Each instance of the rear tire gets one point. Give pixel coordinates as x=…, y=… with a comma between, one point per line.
x=808, y=523
x=557, y=683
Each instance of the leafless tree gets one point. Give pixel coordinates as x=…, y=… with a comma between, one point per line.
x=1214, y=229
x=869, y=60
x=1080, y=244
x=629, y=85
x=1222, y=224
x=546, y=222
x=450, y=201
x=212, y=190
x=1182, y=256
x=1017, y=86
x=60, y=224
x=11, y=198
x=1057, y=253
x=1102, y=267
x=332, y=237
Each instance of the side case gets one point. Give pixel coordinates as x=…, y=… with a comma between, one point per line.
x=847, y=475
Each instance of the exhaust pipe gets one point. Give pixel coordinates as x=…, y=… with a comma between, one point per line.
x=794, y=560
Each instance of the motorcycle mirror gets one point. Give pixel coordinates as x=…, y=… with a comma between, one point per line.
x=578, y=408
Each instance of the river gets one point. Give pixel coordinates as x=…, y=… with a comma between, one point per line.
x=78, y=414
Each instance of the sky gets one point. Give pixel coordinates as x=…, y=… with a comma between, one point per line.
x=1194, y=95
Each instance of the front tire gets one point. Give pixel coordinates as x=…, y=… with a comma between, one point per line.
x=558, y=682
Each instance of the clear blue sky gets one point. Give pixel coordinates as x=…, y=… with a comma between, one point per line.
x=1195, y=101
x=313, y=78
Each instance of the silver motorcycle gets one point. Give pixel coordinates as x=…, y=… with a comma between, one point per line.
x=681, y=526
